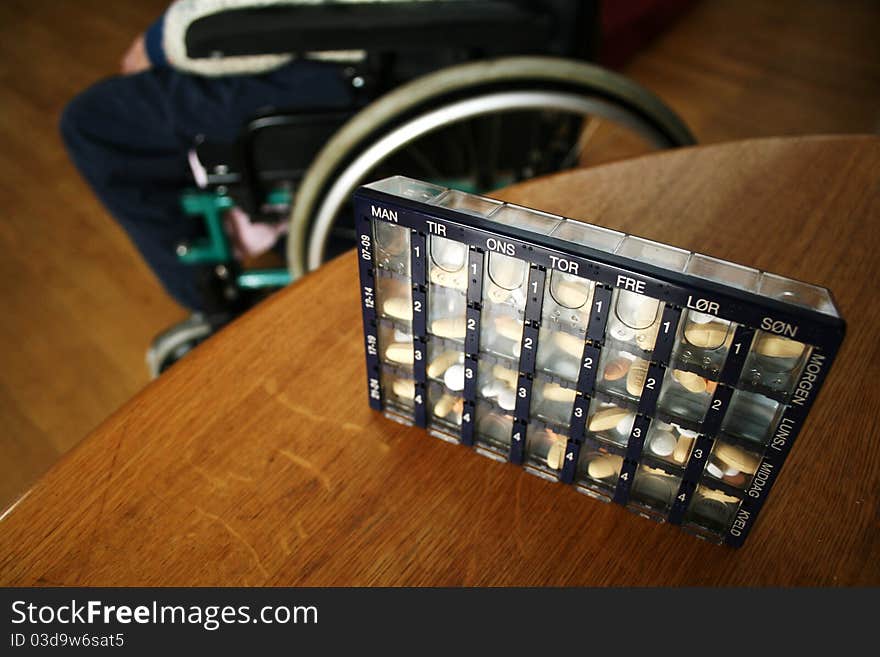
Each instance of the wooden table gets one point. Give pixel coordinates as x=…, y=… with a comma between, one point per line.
x=256, y=459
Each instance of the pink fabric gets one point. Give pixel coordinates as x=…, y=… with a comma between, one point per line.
x=250, y=239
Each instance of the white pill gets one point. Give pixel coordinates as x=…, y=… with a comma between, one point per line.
x=731, y=472
x=491, y=390
x=507, y=399
x=663, y=443
x=516, y=350
x=400, y=352
x=556, y=455
x=404, y=388
x=454, y=377
x=402, y=336
x=687, y=433
x=624, y=427
x=714, y=470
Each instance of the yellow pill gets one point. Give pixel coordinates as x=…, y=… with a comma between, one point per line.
x=444, y=405
x=399, y=308
x=555, y=392
x=706, y=336
x=400, y=352
x=404, y=388
x=568, y=343
x=683, y=449
x=735, y=458
x=509, y=328
x=775, y=346
x=607, y=418
x=635, y=378
x=507, y=375
x=556, y=454
x=449, y=327
x=690, y=381
x=441, y=363
x=602, y=467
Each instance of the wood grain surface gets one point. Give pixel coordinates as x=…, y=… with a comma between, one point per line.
x=256, y=461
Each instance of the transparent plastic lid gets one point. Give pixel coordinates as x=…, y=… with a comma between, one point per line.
x=797, y=293
x=721, y=271
x=531, y=220
x=660, y=255
x=596, y=237
x=478, y=206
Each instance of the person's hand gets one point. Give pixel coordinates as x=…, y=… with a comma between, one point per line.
x=135, y=59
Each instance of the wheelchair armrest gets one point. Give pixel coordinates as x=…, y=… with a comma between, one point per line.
x=377, y=26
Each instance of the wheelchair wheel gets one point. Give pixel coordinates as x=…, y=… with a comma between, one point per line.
x=510, y=119
x=173, y=344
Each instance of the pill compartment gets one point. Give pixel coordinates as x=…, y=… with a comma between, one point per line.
x=774, y=364
x=653, y=491
x=552, y=402
x=564, y=318
x=711, y=509
x=392, y=247
x=394, y=298
x=702, y=343
x=731, y=463
x=751, y=416
x=545, y=448
x=398, y=390
x=598, y=469
x=445, y=409
x=610, y=422
x=396, y=345
x=621, y=373
x=447, y=265
x=670, y=443
x=685, y=395
x=446, y=363
x=496, y=383
x=505, y=283
x=634, y=321
x=797, y=293
x=493, y=429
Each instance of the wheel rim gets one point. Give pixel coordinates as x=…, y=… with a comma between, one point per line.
x=407, y=133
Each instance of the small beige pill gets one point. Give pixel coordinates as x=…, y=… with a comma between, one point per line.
x=711, y=386
x=504, y=374
x=457, y=409
x=607, y=418
x=404, y=388
x=706, y=336
x=602, y=467
x=690, y=381
x=441, y=363
x=616, y=369
x=555, y=392
x=683, y=449
x=449, y=327
x=400, y=352
x=733, y=457
x=444, y=405
x=712, y=494
x=635, y=378
x=568, y=343
x=775, y=346
x=556, y=454
x=509, y=328
x=399, y=308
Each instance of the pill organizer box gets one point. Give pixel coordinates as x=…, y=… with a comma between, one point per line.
x=667, y=381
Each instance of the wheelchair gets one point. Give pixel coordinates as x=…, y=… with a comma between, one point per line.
x=474, y=95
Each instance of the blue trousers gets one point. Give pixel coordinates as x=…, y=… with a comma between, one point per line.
x=129, y=137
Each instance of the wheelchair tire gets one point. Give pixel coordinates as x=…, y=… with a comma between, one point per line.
x=174, y=343
x=459, y=93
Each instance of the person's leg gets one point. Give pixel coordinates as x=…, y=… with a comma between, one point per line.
x=129, y=137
